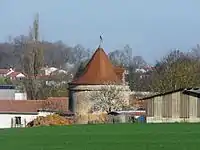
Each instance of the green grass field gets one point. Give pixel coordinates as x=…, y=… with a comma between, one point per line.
x=103, y=137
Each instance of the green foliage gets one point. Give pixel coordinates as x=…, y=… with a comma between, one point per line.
x=57, y=91
x=104, y=137
x=5, y=81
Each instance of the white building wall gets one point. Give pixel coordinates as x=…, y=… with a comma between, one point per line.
x=6, y=119
x=7, y=94
x=48, y=71
x=20, y=96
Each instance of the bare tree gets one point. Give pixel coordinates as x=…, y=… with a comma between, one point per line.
x=174, y=71
x=118, y=58
x=138, y=62
x=126, y=59
x=32, y=62
x=80, y=54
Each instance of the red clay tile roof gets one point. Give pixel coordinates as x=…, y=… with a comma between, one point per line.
x=98, y=71
x=13, y=74
x=119, y=72
x=4, y=71
x=19, y=106
x=23, y=106
x=55, y=104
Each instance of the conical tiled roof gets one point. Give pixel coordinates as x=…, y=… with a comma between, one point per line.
x=98, y=71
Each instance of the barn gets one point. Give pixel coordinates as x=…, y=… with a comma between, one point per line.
x=182, y=105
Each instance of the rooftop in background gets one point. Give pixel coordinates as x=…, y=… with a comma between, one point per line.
x=4, y=71
x=30, y=106
x=11, y=73
x=99, y=71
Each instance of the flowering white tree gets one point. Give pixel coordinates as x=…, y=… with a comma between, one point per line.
x=108, y=98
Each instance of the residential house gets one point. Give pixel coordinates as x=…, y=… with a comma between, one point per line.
x=19, y=113
x=15, y=75
x=49, y=70
x=144, y=71
x=11, y=73
x=4, y=72
x=51, y=73
x=182, y=105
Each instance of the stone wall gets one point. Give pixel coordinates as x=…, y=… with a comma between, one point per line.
x=79, y=99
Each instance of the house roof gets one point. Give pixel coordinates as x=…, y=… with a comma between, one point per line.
x=4, y=71
x=161, y=94
x=189, y=91
x=192, y=91
x=14, y=74
x=98, y=71
x=26, y=106
x=119, y=72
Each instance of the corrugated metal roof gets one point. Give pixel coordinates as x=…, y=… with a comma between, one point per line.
x=161, y=94
x=189, y=91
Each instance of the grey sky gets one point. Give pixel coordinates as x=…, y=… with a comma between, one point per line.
x=150, y=27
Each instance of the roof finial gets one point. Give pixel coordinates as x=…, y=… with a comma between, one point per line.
x=101, y=41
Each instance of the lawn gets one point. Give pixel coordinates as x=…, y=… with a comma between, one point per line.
x=103, y=137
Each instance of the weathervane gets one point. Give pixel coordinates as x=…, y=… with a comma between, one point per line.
x=101, y=41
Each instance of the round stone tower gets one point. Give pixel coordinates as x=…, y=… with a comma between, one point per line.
x=98, y=72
